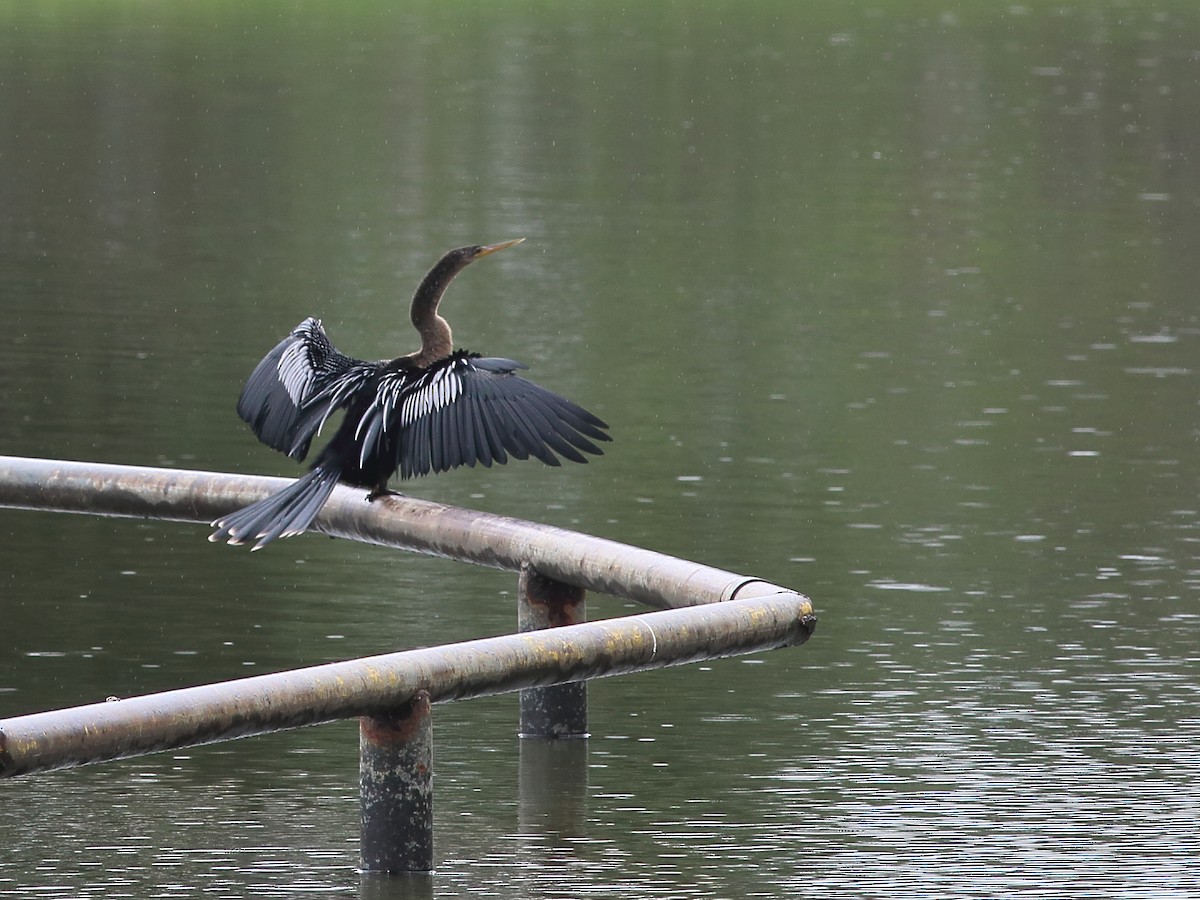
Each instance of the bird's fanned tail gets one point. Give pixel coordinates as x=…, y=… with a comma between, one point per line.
x=283, y=514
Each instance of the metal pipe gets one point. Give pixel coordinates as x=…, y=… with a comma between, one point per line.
x=600, y=565
x=376, y=685
x=559, y=710
x=395, y=767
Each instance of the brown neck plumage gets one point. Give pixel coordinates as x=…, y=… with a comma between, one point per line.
x=436, y=340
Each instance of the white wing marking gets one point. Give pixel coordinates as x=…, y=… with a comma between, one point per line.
x=295, y=371
x=441, y=390
x=438, y=393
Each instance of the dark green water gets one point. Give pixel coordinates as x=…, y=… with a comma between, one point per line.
x=891, y=303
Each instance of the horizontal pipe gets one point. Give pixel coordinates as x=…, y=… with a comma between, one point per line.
x=377, y=685
x=597, y=564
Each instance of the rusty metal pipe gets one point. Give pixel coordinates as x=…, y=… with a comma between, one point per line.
x=559, y=710
x=596, y=564
x=378, y=685
x=395, y=768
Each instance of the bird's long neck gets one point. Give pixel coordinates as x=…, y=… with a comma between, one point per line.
x=436, y=340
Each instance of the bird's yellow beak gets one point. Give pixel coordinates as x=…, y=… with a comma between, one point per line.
x=492, y=248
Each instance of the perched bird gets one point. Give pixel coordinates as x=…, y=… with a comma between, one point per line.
x=429, y=411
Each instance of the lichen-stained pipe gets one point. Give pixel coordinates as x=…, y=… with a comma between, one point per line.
x=378, y=685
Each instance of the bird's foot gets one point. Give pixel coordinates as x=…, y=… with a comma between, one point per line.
x=382, y=492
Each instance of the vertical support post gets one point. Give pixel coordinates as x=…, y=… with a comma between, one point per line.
x=396, y=789
x=558, y=711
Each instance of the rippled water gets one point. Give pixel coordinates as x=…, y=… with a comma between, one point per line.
x=892, y=306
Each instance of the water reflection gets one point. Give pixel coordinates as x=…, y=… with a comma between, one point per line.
x=553, y=789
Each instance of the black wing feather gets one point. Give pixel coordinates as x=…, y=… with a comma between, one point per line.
x=533, y=438
x=467, y=410
x=555, y=433
x=563, y=415
x=476, y=440
x=296, y=386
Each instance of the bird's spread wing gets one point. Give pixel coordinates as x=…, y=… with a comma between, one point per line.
x=295, y=388
x=467, y=410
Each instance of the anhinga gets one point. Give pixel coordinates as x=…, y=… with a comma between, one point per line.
x=429, y=411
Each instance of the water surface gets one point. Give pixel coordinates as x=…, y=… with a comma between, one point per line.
x=891, y=305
